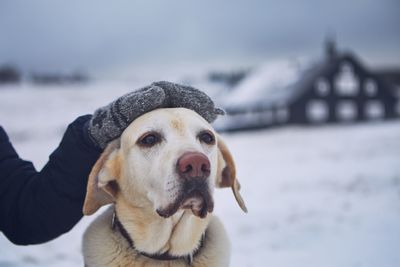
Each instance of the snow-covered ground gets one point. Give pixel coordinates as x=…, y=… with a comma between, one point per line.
x=326, y=196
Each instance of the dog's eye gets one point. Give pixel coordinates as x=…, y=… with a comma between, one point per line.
x=150, y=139
x=207, y=137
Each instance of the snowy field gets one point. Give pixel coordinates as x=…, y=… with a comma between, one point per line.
x=326, y=196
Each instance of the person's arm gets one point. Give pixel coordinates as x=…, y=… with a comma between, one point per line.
x=36, y=207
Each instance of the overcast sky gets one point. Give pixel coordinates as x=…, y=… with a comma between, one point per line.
x=100, y=35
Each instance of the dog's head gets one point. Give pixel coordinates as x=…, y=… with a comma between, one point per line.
x=171, y=157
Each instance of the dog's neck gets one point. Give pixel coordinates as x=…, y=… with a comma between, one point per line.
x=178, y=235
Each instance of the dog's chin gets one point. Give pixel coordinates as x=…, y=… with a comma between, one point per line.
x=200, y=203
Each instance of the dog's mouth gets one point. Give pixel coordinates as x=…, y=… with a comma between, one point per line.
x=194, y=196
x=199, y=204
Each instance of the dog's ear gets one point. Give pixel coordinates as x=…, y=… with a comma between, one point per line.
x=102, y=186
x=226, y=176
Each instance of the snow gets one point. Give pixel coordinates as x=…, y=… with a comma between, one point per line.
x=317, y=196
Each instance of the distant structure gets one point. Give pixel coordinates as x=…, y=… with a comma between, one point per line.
x=391, y=76
x=59, y=78
x=229, y=78
x=337, y=89
x=9, y=74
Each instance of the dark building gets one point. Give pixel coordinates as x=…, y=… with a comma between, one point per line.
x=391, y=76
x=337, y=89
x=9, y=74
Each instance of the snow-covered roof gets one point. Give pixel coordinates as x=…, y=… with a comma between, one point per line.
x=270, y=84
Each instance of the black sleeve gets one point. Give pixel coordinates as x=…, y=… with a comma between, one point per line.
x=36, y=207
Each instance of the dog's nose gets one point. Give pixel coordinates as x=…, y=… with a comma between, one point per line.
x=193, y=165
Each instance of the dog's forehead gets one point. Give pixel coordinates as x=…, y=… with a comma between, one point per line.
x=178, y=120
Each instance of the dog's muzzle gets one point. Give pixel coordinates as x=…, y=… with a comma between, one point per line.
x=193, y=169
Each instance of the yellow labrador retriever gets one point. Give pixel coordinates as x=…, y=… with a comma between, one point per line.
x=160, y=175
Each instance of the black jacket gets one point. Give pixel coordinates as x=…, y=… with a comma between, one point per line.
x=36, y=207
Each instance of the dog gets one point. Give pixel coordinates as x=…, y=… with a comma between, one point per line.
x=160, y=176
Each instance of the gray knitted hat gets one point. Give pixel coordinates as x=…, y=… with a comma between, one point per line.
x=110, y=121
